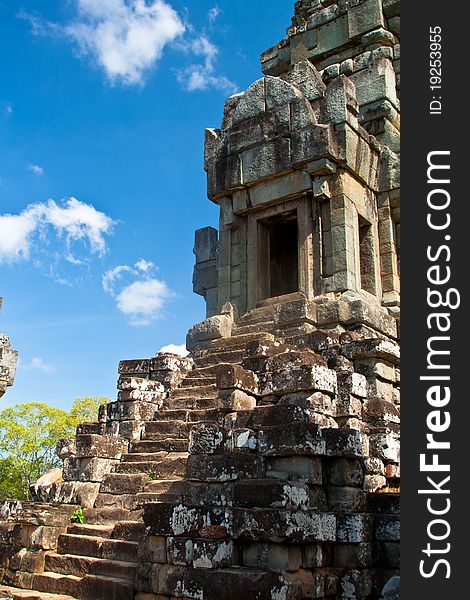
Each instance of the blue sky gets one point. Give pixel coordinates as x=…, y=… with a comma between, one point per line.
x=103, y=105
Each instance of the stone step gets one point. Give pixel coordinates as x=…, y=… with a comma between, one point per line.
x=144, y=457
x=97, y=547
x=254, y=328
x=239, y=342
x=96, y=587
x=154, y=446
x=110, y=515
x=134, y=502
x=197, y=381
x=103, y=531
x=171, y=467
x=11, y=593
x=190, y=403
x=70, y=564
x=142, y=499
x=123, y=483
x=212, y=357
x=189, y=416
x=200, y=391
x=130, y=531
x=203, y=372
x=167, y=486
x=174, y=429
x=56, y=583
x=258, y=315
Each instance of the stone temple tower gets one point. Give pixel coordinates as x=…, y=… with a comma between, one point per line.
x=266, y=464
x=305, y=169
x=8, y=360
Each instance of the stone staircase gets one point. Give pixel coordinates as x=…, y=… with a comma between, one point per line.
x=98, y=560
x=174, y=461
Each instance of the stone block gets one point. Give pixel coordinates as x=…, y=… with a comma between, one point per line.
x=312, y=144
x=241, y=440
x=205, y=277
x=318, y=402
x=123, y=483
x=346, y=499
x=139, y=368
x=292, y=439
x=251, y=104
x=94, y=469
x=235, y=400
x=152, y=549
x=372, y=348
x=374, y=483
x=388, y=528
x=139, y=384
x=230, y=376
x=205, y=244
x=266, y=160
x=282, y=525
x=232, y=584
x=226, y=467
x=275, y=557
x=44, y=538
x=354, y=529
x=345, y=472
x=364, y=17
x=304, y=469
x=201, y=553
x=294, y=359
x=380, y=412
x=207, y=438
x=286, y=381
x=270, y=493
x=213, y=328
x=101, y=446
x=259, y=129
x=305, y=76
x=165, y=361
x=378, y=82
x=274, y=190
x=134, y=410
x=354, y=383
x=354, y=556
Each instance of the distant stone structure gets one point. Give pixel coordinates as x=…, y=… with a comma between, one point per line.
x=8, y=361
x=266, y=464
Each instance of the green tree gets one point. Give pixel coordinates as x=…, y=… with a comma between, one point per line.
x=28, y=437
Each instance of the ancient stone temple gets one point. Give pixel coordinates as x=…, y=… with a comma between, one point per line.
x=265, y=465
x=8, y=360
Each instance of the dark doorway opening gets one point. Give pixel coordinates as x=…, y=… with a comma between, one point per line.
x=280, y=256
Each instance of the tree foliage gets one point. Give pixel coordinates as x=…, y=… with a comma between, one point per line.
x=28, y=437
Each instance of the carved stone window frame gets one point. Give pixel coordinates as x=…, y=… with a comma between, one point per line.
x=256, y=270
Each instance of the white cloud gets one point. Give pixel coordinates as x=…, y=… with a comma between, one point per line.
x=8, y=110
x=213, y=14
x=80, y=221
x=36, y=169
x=39, y=364
x=144, y=265
x=175, y=349
x=125, y=37
x=203, y=76
x=139, y=295
x=74, y=220
x=141, y=301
